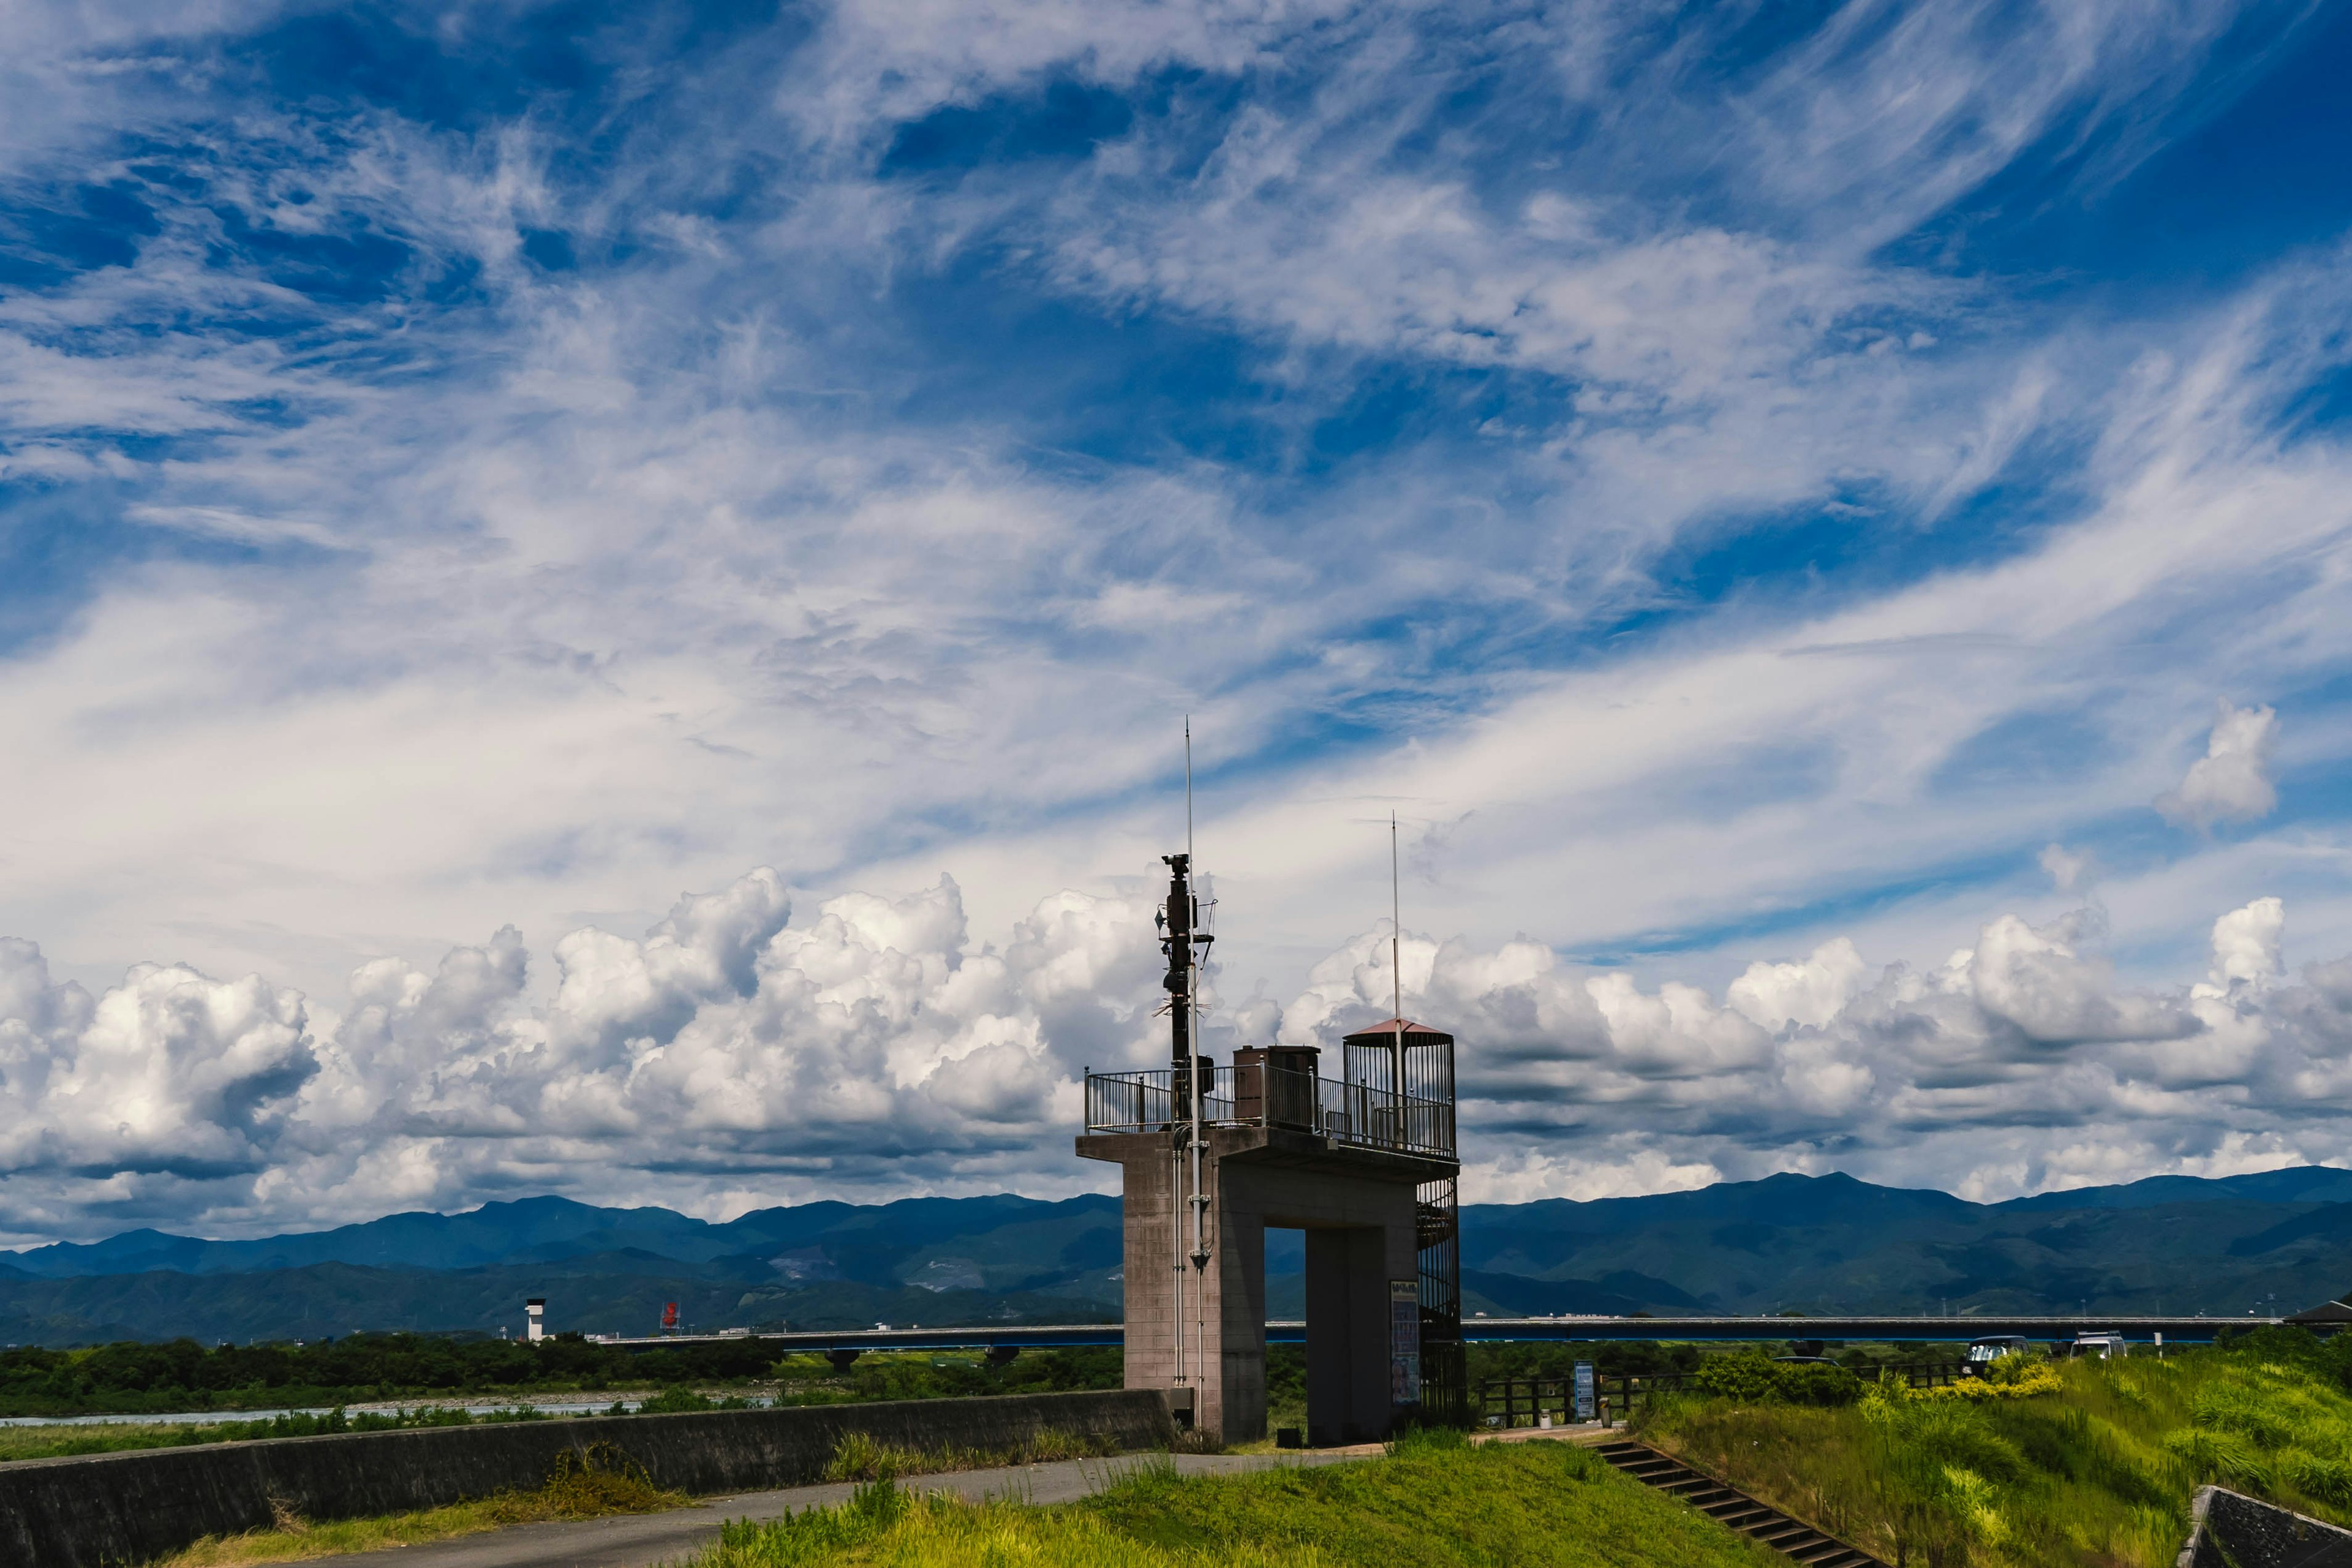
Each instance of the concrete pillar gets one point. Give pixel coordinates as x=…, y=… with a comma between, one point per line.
x=1147, y=1279
x=1238, y=1318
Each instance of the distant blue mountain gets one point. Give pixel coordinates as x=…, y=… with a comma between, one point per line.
x=1832, y=1243
x=1813, y=1244
x=1787, y=1198
x=546, y=1229
x=2300, y=1185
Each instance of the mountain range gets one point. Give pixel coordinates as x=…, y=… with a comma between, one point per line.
x=1815, y=1244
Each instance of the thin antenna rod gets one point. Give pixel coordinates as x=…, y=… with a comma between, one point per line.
x=1397, y=1108
x=1195, y=1075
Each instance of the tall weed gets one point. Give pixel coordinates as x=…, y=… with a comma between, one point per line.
x=590, y=1483
x=860, y=1456
x=2051, y=1464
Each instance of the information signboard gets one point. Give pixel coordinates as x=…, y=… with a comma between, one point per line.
x=1405, y=1341
x=1584, y=1391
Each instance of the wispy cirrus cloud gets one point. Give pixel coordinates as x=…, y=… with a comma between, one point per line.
x=481, y=469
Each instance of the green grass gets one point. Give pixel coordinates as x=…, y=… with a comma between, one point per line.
x=1433, y=1503
x=605, y=1481
x=2096, y=1472
x=55, y=1442
x=49, y=1442
x=859, y=1458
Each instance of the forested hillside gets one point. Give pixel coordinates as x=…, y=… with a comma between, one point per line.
x=2181, y=1245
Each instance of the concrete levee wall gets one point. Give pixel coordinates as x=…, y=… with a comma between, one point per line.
x=2234, y=1531
x=113, y=1511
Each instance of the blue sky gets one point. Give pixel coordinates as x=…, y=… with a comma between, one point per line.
x=1747, y=484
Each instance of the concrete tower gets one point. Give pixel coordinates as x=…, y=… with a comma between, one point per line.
x=1363, y=1161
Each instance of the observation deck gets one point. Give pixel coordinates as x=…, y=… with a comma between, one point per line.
x=1344, y=1115
x=1394, y=1095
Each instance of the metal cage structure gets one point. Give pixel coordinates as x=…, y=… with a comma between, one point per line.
x=1400, y=1083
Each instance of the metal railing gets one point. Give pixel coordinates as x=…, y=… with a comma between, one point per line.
x=1354, y=1114
x=1524, y=1401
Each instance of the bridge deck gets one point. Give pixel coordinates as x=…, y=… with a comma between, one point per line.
x=1929, y=1329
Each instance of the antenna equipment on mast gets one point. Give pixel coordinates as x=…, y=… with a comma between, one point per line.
x=1185, y=944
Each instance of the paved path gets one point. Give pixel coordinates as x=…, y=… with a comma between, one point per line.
x=645, y=1539
x=641, y=1541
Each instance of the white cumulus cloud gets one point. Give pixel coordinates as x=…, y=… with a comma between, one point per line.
x=732, y=1054
x=2231, y=781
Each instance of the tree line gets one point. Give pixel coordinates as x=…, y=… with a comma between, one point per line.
x=182, y=1374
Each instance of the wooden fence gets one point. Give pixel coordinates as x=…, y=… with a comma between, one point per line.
x=1524, y=1401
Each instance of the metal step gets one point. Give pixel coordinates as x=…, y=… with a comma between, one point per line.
x=1792, y=1538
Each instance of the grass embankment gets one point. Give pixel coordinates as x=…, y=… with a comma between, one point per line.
x=2081, y=1463
x=605, y=1481
x=62, y=1441
x=1435, y=1502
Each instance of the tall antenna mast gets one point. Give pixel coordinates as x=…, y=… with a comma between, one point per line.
x=1193, y=1076
x=1396, y=978
x=1185, y=944
x=1396, y=924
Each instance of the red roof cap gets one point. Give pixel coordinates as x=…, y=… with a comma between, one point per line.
x=1393, y=1027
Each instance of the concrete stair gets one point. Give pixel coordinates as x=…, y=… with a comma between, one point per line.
x=1791, y=1538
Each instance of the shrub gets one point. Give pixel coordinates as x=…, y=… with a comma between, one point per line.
x=600, y=1479
x=859, y=1458
x=674, y=1400
x=2010, y=1377
x=1746, y=1378
x=1827, y=1387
